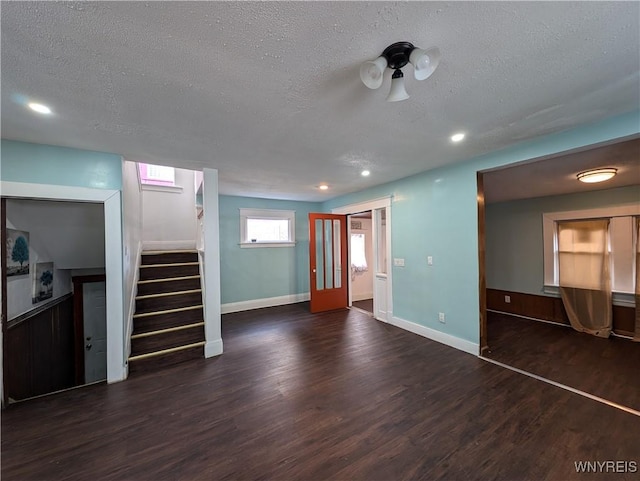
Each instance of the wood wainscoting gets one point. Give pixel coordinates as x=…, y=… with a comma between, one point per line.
x=547, y=308
x=40, y=350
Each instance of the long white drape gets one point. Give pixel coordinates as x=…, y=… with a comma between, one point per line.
x=585, y=282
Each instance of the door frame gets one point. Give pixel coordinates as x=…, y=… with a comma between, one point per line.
x=111, y=199
x=372, y=205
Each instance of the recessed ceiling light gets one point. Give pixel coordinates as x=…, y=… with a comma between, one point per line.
x=365, y=173
x=323, y=187
x=457, y=137
x=597, y=175
x=41, y=109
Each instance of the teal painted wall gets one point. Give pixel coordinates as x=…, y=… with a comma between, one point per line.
x=514, y=234
x=46, y=164
x=435, y=214
x=259, y=273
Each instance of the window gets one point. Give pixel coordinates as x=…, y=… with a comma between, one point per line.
x=267, y=228
x=620, y=243
x=358, y=253
x=158, y=177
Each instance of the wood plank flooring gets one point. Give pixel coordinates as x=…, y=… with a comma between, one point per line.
x=334, y=396
x=365, y=305
x=608, y=368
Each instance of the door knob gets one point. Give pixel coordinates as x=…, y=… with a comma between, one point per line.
x=313, y=270
x=88, y=347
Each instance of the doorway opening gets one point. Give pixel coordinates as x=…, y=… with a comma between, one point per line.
x=369, y=232
x=48, y=341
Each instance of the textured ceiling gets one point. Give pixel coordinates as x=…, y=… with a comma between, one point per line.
x=269, y=94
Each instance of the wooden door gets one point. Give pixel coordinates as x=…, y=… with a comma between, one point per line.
x=328, y=261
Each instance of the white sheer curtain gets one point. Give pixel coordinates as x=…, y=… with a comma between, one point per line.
x=636, y=336
x=585, y=282
x=358, y=254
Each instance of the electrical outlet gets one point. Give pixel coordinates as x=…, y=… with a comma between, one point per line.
x=507, y=299
x=441, y=317
x=429, y=260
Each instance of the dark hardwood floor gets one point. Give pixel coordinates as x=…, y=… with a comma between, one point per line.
x=365, y=305
x=608, y=368
x=335, y=396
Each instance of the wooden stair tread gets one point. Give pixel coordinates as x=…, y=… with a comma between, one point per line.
x=166, y=351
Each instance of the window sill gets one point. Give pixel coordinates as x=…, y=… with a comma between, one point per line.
x=622, y=299
x=173, y=189
x=253, y=245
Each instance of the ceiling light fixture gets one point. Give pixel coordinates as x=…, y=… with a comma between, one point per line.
x=457, y=137
x=323, y=187
x=395, y=57
x=41, y=109
x=365, y=173
x=597, y=175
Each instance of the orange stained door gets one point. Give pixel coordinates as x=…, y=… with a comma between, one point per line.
x=328, y=261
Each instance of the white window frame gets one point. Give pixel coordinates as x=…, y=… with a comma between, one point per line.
x=269, y=214
x=621, y=239
x=172, y=188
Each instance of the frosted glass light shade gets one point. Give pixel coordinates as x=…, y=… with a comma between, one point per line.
x=397, y=92
x=597, y=175
x=371, y=72
x=424, y=62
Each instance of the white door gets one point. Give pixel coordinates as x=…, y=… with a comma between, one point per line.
x=95, y=331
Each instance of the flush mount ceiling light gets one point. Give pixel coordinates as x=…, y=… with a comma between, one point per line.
x=41, y=109
x=365, y=173
x=457, y=137
x=597, y=175
x=395, y=57
x=323, y=187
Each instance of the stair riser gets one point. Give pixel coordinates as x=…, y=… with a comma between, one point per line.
x=169, y=258
x=168, y=286
x=167, y=340
x=167, y=272
x=168, y=302
x=166, y=321
x=159, y=362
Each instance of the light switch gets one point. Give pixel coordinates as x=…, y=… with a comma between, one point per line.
x=430, y=260
x=398, y=262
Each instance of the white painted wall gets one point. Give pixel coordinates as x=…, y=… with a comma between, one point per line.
x=132, y=242
x=69, y=234
x=362, y=282
x=169, y=218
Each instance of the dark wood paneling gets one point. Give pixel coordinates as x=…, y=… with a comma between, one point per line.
x=549, y=308
x=334, y=396
x=40, y=352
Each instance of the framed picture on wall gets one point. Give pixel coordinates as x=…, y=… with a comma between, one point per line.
x=42, y=282
x=17, y=253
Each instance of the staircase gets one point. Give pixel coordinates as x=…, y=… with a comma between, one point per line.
x=168, y=326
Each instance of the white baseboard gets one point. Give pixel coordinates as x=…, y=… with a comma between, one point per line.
x=213, y=348
x=266, y=302
x=361, y=297
x=438, y=336
x=168, y=245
